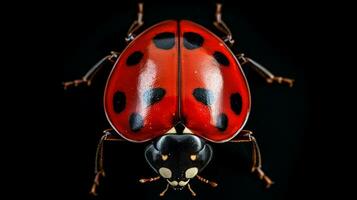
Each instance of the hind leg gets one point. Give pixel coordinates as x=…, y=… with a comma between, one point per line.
x=228, y=38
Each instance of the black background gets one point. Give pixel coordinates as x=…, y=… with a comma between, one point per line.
x=295, y=127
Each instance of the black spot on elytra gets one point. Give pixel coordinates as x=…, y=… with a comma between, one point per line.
x=203, y=95
x=165, y=40
x=153, y=96
x=136, y=122
x=236, y=103
x=222, y=122
x=221, y=58
x=134, y=58
x=192, y=40
x=119, y=101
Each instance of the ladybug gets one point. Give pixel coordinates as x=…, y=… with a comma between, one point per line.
x=179, y=87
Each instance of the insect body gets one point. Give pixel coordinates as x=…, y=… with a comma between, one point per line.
x=178, y=85
x=177, y=72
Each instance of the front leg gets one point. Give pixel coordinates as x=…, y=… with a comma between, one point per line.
x=109, y=135
x=211, y=183
x=265, y=73
x=246, y=136
x=149, y=180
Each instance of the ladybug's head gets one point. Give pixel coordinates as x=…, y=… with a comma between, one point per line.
x=178, y=158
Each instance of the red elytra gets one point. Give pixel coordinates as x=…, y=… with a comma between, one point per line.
x=177, y=72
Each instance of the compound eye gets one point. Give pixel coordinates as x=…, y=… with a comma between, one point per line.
x=191, y=172
x=165, y=172
x=193, y=157
x=164, y=157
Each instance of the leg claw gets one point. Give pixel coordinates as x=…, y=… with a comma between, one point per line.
x=268, y=182
x=96, y=182
x=281, y=80
x=75, y=83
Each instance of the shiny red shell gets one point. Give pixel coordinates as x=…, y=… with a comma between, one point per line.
x=177, y=72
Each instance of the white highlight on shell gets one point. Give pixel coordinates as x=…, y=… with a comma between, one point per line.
x=191, y=172
x=165, y=172
x=146, y=80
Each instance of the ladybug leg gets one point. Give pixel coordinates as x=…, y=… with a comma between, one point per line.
x=136, y=24
x=212, y=183
x=257, y=164
x=99, y=160
x=220, y=25
x=88, y=77
x=265, y=73
x=246, y=136
x=149, y=180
